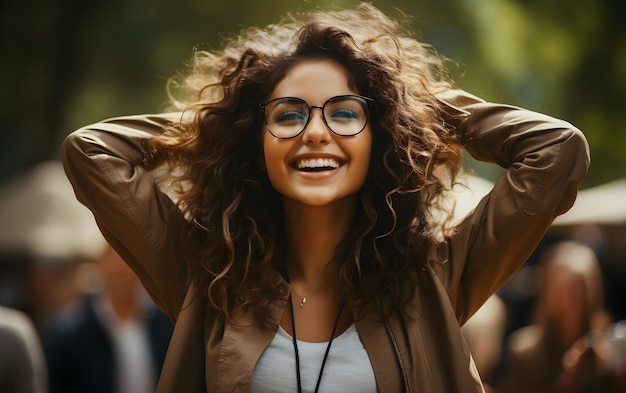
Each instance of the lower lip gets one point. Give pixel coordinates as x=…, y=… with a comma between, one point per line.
x=316, y=175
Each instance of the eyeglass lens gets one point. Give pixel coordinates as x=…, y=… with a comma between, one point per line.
x=344, y=115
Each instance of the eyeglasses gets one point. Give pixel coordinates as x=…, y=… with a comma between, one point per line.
x=345, y=115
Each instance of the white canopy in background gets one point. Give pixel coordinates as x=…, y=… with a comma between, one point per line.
x=40, y=216
x=462, y=198
x=601, y=205
x=468, y=196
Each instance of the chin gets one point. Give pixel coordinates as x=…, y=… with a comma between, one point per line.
x=313, y=200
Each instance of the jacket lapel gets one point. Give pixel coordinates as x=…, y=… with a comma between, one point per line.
x=243, y=344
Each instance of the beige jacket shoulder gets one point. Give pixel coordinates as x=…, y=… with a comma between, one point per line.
x=545, y=159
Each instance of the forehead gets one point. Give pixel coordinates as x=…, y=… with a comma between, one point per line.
x=314, y=80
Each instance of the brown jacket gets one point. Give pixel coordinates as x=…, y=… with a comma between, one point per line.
x=545, y=159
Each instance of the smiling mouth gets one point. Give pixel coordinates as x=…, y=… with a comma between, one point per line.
x=318, y=164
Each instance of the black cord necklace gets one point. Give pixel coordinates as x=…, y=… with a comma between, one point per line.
x=295, y=345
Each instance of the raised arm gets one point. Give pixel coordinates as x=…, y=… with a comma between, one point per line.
x=105, y=164
x=545, y=159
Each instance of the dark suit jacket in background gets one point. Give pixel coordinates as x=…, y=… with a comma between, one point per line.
x=80, y=354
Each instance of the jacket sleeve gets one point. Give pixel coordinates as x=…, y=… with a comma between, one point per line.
x=105, y=164
x=545, y=159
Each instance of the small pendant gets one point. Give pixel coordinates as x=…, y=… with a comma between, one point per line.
x=302, y=302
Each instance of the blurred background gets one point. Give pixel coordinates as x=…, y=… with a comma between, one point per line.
x=68, y=63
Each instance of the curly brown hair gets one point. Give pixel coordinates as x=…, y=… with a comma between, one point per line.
x=230, y=197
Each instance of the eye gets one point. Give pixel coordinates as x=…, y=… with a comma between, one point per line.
x=344, y=114
x=290, y=115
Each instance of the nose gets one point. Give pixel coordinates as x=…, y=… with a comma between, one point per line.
x=316, y=131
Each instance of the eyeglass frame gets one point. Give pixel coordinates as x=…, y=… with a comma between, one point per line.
x=368, y=101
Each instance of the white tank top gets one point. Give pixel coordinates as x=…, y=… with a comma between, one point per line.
x=347, y=369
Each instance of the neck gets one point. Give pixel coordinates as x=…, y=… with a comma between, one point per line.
x=314, y=232
x=125, y=308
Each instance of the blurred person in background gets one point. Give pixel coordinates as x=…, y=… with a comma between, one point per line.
x=114, y=342
x=22, y=363
x=566, y=349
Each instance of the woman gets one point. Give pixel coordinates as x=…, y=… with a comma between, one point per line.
x=309, y=248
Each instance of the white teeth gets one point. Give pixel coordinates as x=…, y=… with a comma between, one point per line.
x=318, y=163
